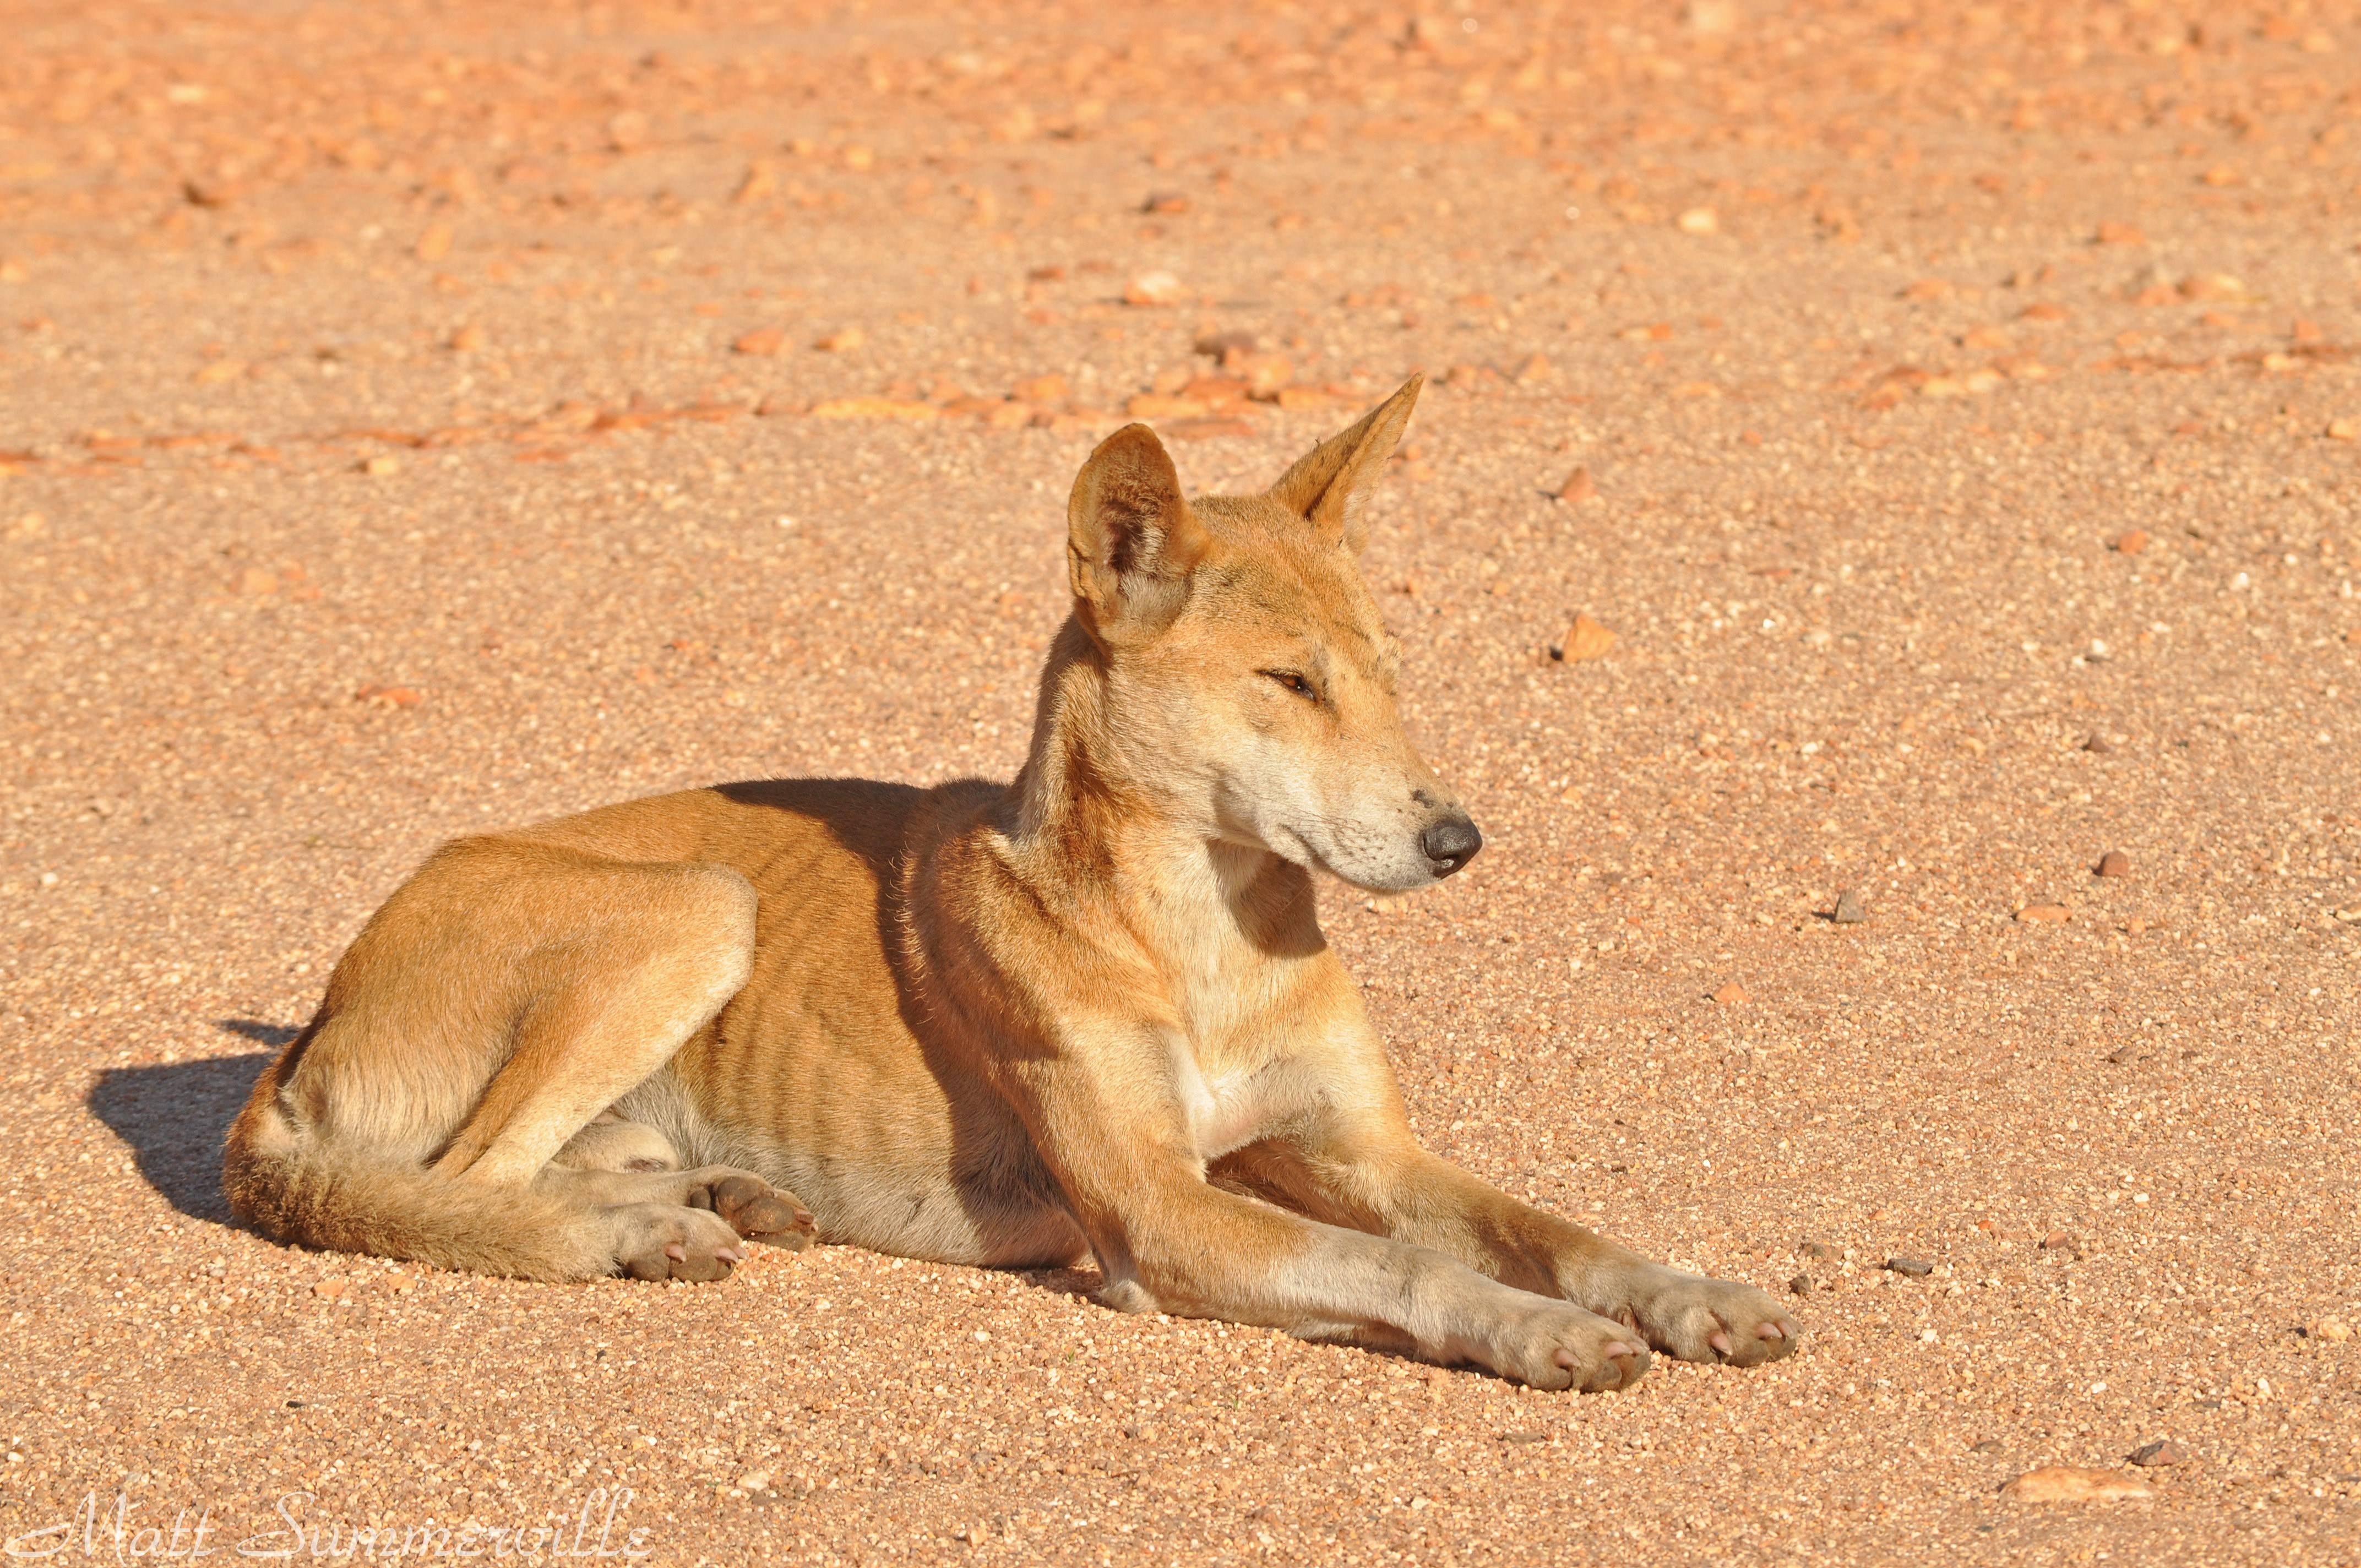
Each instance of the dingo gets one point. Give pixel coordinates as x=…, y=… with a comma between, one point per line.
x=1089, y=1013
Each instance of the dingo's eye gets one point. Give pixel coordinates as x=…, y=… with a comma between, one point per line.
x=1292, y=682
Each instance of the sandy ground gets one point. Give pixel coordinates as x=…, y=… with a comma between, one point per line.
x=416, y=417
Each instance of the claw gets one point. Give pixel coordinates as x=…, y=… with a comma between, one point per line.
x=678, y=1253
x=1782, y=1329
x=1720, y=1342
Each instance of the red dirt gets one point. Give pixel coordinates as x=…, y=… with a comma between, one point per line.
x=412, y=421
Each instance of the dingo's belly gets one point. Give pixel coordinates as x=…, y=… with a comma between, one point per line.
x=813, y=1075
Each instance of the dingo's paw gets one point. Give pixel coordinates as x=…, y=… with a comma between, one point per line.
x=1557, y=1346
x=755, y=1209
x=663, y=1241
x=1692, y=1318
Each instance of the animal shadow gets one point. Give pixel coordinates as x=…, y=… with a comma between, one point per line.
x=175, y=1115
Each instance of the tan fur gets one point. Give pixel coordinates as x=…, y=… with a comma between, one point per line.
x=1088, y=1013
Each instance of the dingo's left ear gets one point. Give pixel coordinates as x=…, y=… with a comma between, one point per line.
x=1331, y=485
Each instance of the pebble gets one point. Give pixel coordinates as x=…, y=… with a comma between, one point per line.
x=2131, y=542
x=1155, y=289
x=2163, y=1450
x=1801, y=1285
x=1699, y=221
x=377, y=467
x=1850, y=910
x=1730, y=995
x=1586, y=639
x=1915, y=1267
x=2114, y=863
x=1579, y=487
x=2045, y=915
x=2344, y=430
x=2335, y=1331
x=755, y=1480
x=843, y=341
x=2057, y=1241
x=762, y=340
x=2073, y=1483
x=1817, y=1249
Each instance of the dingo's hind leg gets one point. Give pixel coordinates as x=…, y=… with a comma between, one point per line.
x=502, y=999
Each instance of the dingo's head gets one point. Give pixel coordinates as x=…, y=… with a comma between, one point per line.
x=1248, y=681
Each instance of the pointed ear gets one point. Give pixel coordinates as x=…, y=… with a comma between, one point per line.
x=1331, y=485
x=1131, y=539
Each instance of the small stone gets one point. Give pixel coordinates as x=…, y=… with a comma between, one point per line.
x=2335, y=1331
x=1586, y=639
x=843, y=341
x=2114, y=863
x=2097, y=743
x=2344, y=430
x=1534, y=368
x=1730, y=995
x=759, y=179
x=1041, y=390
x=1579, y=487
x=435, y=244
x=2057, y=1241
x=2212, y=286
x=331, y=1289
x=383, y=464
x=1524, y=1437
x=2121, y=234
x=1158, y=288
x=755, y=1480
x=1220, y=345
x=1915, y=1267
x=2131, y=542
x=2073, y=1483
x=467, y=338
x=1817, y=1249
x=1850, y=910
x=259, y=582
x=762, y=340
x=1699, y=221
x=218, y=371
x=402, y=1284
x=2045, y=915
x=1165, y=203
x=2163, y=1450
x=1989, y=1446
x=1801, y=1285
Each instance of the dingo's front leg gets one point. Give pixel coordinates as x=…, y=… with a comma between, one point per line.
x=1167, y=1241
x=1384, y=1182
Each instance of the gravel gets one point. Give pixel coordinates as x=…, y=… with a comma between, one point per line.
x=376, y=467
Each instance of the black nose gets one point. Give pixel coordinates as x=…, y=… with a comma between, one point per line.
x=1450, y=843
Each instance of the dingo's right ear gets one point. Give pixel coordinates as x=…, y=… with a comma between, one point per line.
x=1330, y=486
x=1131, y=538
